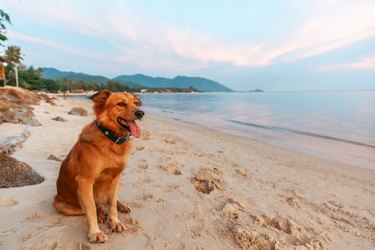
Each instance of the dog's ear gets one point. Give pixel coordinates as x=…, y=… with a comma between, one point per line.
x=99, y=100
x=137, y=99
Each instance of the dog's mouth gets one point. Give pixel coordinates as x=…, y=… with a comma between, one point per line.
x=131, y=126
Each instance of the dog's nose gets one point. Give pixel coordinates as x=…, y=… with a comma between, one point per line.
x=139, y=114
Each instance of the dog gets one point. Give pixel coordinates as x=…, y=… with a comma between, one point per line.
x=89, y=176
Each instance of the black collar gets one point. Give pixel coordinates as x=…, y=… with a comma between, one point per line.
x=110, y=135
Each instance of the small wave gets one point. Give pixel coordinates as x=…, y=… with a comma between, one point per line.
x=274, y=128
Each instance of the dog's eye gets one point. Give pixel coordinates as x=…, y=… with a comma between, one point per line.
x=136, y=103
x=122, y=104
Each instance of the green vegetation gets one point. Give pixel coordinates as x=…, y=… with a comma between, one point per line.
x=30, y=78
x=4, y=18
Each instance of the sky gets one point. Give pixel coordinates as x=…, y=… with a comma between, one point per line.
x=243, y=44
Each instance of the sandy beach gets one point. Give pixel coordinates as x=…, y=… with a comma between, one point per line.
x=193, y=188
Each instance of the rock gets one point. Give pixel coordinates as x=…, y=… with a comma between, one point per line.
x=13, y=137
x=54, y=158
x=15, y=173
x=59, y=119
x=78, y=111
x=23, y=116
x=48, y=99
x=15, y=105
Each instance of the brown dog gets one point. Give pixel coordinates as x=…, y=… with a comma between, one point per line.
x=90, y=174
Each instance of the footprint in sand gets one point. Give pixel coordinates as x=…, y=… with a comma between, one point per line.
x=8, y=232
x=147, y=197
x=241, y=173
x=139, y=148
x=8, y=202
x=143, y=166
x=170, y=141
x=146, y=135
x=34, y=215
x=293, y=234
x=231, y=210
x=172, y=169
x=207, y=180
x=247, y=238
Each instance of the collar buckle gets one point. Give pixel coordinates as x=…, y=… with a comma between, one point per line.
x=112, y=136
x=121, y=140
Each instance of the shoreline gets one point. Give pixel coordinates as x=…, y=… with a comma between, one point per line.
x=328, y=146
x=354, y=149
x=193, y=187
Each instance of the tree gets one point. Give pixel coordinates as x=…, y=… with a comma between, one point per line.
x=4, y=18
x=13, y=57
x=13, y=54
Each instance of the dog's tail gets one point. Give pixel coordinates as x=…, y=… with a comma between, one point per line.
x=66, y=208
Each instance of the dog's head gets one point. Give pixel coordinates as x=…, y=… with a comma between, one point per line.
x=118, y=111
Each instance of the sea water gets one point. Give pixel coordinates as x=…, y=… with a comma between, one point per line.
x=338, y=125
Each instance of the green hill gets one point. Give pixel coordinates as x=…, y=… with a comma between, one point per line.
x=201, y=84
x=51, y=73
x=141, y=81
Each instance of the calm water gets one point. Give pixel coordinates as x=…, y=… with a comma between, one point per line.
x=335, y=125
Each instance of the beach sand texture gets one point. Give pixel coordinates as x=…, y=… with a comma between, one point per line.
x=194, y=188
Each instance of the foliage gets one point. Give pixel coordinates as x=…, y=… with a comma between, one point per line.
x=31, y=78
x=13, y=55
x=4, y=18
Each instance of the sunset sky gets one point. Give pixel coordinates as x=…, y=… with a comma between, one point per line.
x=267, y=44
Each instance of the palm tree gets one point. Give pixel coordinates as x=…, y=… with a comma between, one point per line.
x=13, y=54
x=4, y=18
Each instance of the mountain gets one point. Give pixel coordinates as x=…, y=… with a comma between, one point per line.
x=52, y=73
x=201, y=84
x=142, y=81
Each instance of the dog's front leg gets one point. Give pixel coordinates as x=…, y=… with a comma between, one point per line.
x=86, y=196
x=115, y=223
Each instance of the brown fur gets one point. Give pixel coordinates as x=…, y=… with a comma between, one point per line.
x=90, y=174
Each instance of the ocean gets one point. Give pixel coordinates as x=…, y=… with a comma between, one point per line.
x=337, y=125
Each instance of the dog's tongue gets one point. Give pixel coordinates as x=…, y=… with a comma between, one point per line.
x=134, y=129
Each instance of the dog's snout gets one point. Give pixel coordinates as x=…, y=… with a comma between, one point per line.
x=139, y=114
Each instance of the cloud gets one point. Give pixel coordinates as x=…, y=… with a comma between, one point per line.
x=54, y=45
x=151, y=42
x=367, y=63
x=335, y=24
x=340, y=24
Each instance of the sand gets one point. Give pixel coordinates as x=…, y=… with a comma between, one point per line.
x=194, y=188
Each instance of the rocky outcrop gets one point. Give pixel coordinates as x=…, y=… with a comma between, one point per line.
x=78, y=111
x=12, y=137
x=15, y=106
x=15, y=173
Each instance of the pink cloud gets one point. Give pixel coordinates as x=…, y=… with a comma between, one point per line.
x=367, y=63
x=136, y=39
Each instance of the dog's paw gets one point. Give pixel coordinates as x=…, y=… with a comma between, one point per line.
x=117, y=227
x=98, y=237
x=101, y=215
x=122, y=208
